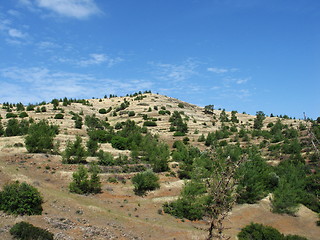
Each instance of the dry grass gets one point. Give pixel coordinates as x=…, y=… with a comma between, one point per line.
x=117, y=210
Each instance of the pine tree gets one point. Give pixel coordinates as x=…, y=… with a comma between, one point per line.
x=74, y=152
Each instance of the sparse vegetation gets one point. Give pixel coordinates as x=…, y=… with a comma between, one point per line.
x=129, y=143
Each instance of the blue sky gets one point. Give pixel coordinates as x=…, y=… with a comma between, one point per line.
x=244, y=55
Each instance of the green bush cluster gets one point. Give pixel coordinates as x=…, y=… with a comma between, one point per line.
x=145, y=181
x=17, y=128
x=224, y=116
x=59, y=116
x=177, y=124
x=40, y=137
x=258, y=121
x=256, y=231
x=81, y=183
x=144, y=146
x=102, y=111
x=23, y=115
x=74, y=152
x=26, y=231
x=20, y=199
x=11, y=115
x=131, y=113
x=150, y=124
x=78, y=121
x=191, y=203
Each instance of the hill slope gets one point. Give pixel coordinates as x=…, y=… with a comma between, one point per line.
x=117, y=213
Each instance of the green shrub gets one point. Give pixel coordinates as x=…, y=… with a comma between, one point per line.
x=78, y=123
x=149, y=124
x=81, y=183
x=101, y=136
x=30, y=107
x=202, y=138
x=258, y=121
x=59, y=116
x=294, y=237
x=131, y=113
x=92, y=147
x=1, y=130
x=26, y=231
x=23, y=115
x=105, y=158
x=40, y=137
x=11, y=115
x=102, y=111
x=177, y=123
x=119, y=142
x=291, y=188
x=179, y=134
x=94, y=123
x=20, y=199
x=13, y=128
x=145, y=181
x=43, y=109
x=256, y=231
x=74, y=152
x=190, y=204
x=255, y=181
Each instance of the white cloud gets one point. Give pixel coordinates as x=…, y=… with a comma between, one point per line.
x=242, y=80
x=26, y=2
x=215, y=87
x=37, y=84
x=15, y=33
x=14, y=13
x=217, y=70
x=230, y=80
x=221, y=70
x=47, y=45
x=4, y=24
x=231, y=93
x=175, y=72
x=94, y=59
x=80, y=9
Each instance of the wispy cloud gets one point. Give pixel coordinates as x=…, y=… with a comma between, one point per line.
x=97, y=59
x=14, y=13
x=47, y=45
x=175, y=72
x=4, y=24
x=242, y=80
x=231, y=93
x=234, y=80
x=221, y=70
x=93, y=59
x=45, y=84
x=79, y=9
x=12, y=34
x=15, y=33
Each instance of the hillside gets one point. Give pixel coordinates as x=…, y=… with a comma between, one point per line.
x=117, y=212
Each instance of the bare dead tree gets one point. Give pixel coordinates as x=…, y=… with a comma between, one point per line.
x=313, y=139
x=221, y=189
